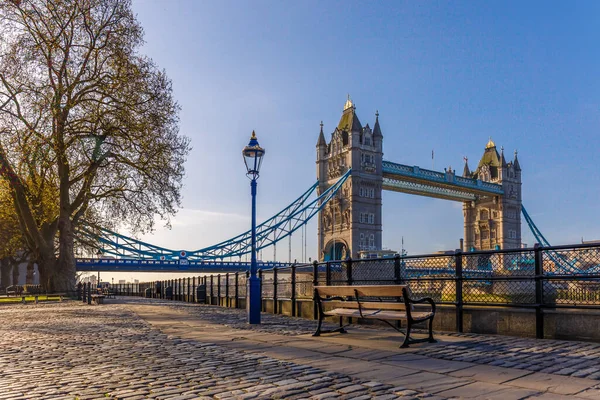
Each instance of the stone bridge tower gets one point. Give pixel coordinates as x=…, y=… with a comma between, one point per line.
x=350, y=222
x=494, y=222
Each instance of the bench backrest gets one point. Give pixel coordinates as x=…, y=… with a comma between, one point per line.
x=374, y=291
x=363, y=291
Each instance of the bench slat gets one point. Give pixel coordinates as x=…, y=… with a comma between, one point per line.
x=335, y=290
x=345, y=312
x=366, y=305
x=380, y=290
x=363, y=290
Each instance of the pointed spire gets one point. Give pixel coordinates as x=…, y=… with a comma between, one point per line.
x=321, y=141
x=349, y=121
x=502, y=160
x=349, y=103
x=377, y=129
x=466, y=171
x=516, y=162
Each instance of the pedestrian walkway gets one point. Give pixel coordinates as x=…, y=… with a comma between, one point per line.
x=134, y=348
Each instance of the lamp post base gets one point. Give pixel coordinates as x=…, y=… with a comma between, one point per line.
x=253, y=300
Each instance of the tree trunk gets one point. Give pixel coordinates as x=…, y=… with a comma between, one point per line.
x=46, y=263
x=63, y=278
x=15, y=273
x=29, y=275
x=5, y=268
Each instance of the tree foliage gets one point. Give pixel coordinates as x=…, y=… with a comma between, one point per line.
x=85, y=118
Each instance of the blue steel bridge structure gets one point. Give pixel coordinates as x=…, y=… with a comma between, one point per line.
x=127, y=254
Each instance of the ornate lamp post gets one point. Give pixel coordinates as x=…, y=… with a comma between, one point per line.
x=253, y=155
x=99, y=254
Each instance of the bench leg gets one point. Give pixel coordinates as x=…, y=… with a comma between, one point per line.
x=320, y=323
x=431, y=339
x=406, y=336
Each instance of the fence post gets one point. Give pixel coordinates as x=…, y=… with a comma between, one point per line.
x=315, y=284
x=83, y=292
x=539, y=291
x=212, y=289
x=189, y=290
x=79, y=291
x=219, y=290
x=459, y=290
x=237, y=290
x=260, y=276
x=397, y=270
x=89, y=293
x=227, y=289
x=349, y=270
x=194, y=291
x=293, y=296
x=246, y=298
x=328, y=273
x=275, y=290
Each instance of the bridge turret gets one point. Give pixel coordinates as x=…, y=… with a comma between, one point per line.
x=377, y=136
x=492, y=222
x=351, y=222
x=466, y=170
x=321, y=159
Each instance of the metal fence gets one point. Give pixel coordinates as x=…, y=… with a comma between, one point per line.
x=536, y=278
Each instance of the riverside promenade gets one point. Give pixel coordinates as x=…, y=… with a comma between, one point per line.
x=133, y=348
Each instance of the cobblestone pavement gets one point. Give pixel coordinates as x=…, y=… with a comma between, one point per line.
x=568, y=358
x=73, y=351
x=576, y=359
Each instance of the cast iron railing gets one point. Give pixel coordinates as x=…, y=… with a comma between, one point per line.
x=533, y=278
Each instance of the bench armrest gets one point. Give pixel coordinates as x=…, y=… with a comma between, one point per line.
x=424, y=300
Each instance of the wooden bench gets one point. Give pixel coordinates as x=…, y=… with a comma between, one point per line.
x=15, y=290
x=368, y=302
x=97, y=298
x=109, y=293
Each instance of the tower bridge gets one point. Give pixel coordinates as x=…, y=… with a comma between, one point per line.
x=351, y=223
x=351, y=175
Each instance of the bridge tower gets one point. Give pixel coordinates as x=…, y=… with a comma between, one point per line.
x=494, y=222
x=350, y=222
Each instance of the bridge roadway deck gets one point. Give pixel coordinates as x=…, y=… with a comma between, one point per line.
x=136, y=348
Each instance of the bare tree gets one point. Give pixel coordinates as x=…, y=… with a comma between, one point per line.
x=83, y=114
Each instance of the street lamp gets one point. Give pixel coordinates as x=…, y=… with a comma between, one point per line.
x=253, y=155
x=99, y=254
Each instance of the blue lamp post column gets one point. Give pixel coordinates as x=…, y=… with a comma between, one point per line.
x=253, y=154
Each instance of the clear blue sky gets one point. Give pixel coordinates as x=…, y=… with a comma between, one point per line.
x=443, y=75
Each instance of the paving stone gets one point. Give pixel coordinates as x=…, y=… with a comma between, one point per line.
x=69, y=349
